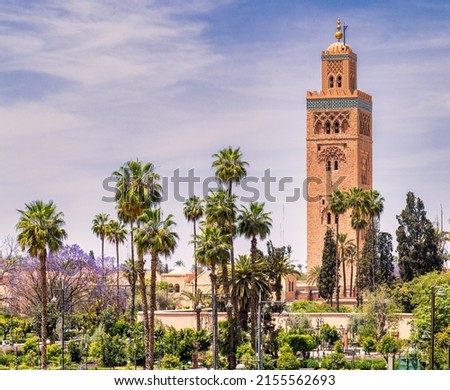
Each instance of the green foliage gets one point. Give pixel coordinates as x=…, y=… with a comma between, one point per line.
x=110, y=350
x=418, y=241
x=387, y=345
x=385, y=271
x=368, y=263
x=31, y=344
x=300, y=343
x=287, y=359
x=329, y=334
x=74, y=351
x=316, y=307
x=339, y=346
x=54, y=353
x=334, y=361
x=170, y=362
x=327, y=277
x=369, y=344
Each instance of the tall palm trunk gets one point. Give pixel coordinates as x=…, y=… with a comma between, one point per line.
x=229, y=310
x=43, y=275
x=153, y=267
x=133, y=278
x=118, y=277
x=254, y=296
x=344, y=274
x=236, y=325
x=337, y=262
x=351, y=278
x=215, y=344
x=143, y=289
x=358, y=295
x=196, y=269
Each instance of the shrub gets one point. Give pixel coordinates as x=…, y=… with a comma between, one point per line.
x=287, y=359
x=310, y=363
x=54, y=353
x=170, y=362
x=369, y=344
x=334, y=361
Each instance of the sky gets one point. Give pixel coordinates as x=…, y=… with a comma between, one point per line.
x=86, y=85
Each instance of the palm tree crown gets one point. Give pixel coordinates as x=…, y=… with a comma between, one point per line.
x=230, y=167
x=40, y=228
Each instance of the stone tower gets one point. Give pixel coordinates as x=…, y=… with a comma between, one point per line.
x=338, y=143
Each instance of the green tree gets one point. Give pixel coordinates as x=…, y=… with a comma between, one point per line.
x=254, y=223
x=220, y=210
x=279, y=265
x=338, y=207
x=326, y=281
x=287, y=360
x=385, y=270
x=212, y=249
x=344, y=246
x=368, y=263
x=193, y=211
x=99, y=228
x=231, y=168
x=137, y=189
x=244, y=284
x=116, y=234
x=40, y=232
x=418, y=244
x=157, y=237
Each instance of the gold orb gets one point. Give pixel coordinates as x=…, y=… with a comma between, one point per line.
x=338, y=35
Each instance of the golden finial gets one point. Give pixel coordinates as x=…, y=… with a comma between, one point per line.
x=338, y=34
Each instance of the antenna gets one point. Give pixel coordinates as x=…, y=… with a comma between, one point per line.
x=345, y=28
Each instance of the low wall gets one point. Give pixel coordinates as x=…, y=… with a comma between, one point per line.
x=187, y=319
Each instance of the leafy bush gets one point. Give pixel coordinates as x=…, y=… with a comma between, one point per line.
x=6, y=360
x=369, y=344
x=170, y=362
x=379, y=364
x=334, y=361
x=54, y=353
x=287, y=359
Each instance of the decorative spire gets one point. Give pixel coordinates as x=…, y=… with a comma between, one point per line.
x=338, y=34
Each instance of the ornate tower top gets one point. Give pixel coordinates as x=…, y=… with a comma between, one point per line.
x=338, y=34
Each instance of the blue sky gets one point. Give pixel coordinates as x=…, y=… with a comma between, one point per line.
x=88, y=85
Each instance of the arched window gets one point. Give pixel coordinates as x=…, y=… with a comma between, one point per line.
x=336, y=219
x=328, y=218
x=328, y=167
x=339, y=81
x=336, y=165
x=336, y=127
x=328, y=128
x=331, y=82
x=177, y=288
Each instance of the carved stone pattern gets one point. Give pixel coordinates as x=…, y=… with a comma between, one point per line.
x=331, y=153
x=335, y=67
x=320, y=118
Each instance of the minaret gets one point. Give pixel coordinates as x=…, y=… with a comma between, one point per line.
x=338, y=143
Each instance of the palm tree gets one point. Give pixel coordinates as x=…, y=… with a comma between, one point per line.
x=220, y=210
x=99, y=228
x=312, y=277
x=357, y=201
x=351, y=259
x=193, y=210
x=244, y=284
x=279, y=265
x=230, y=168
x=199, y=300
x=213, y=248
x=338, y=206
x=343, y=248
x=154, y=236
x=375, y=206
x=116, y=234
x=40, y=232
x=137, y=189
x=254, y=223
